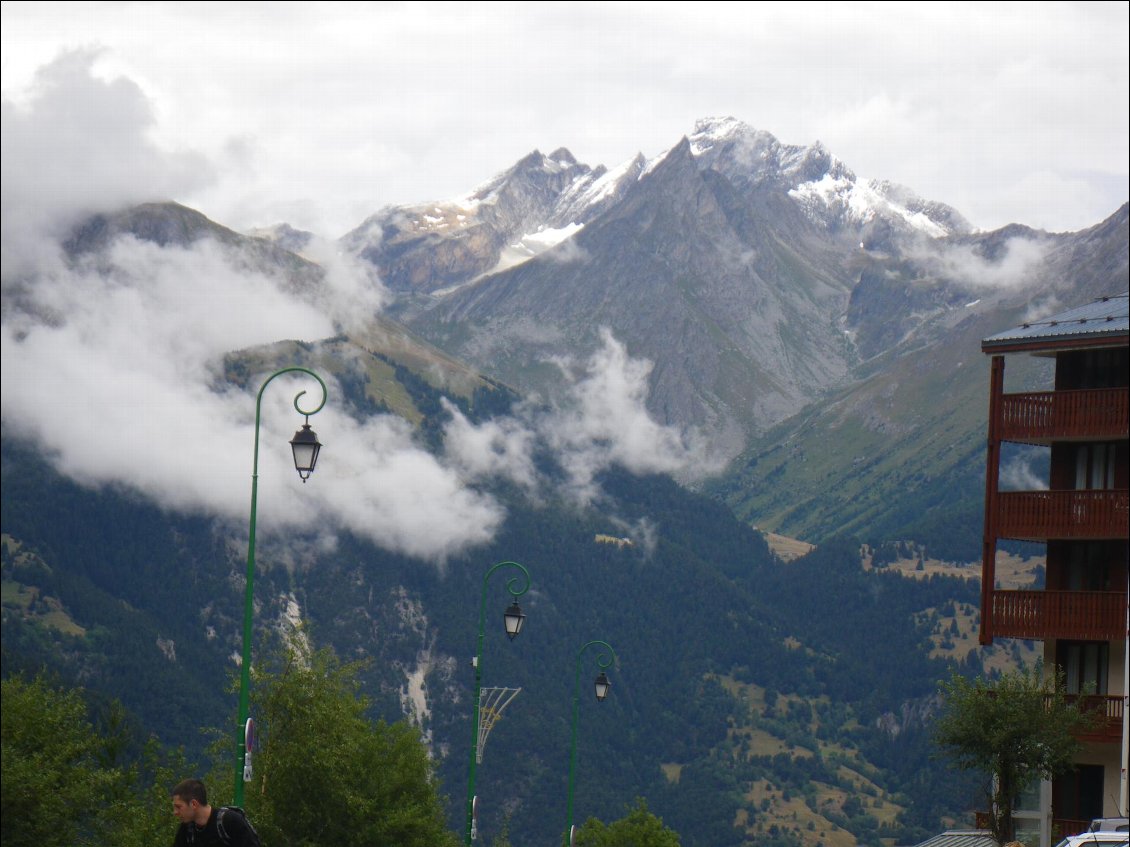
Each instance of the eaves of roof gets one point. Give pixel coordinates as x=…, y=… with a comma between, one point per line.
x=1102, y=323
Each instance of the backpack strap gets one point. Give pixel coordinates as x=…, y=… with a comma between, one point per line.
x=220, y=825
x=225, y=838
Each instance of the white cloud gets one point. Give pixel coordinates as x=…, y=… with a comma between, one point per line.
x=600, y=420
x=384, y=487
x=604, y=420
x=352, y=293
x=119, y=388
x=112, y=361
x=80, y=144
x=1018, y=259
x=1017, y=474
x=502, y=447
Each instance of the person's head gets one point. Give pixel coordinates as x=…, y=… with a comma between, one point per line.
x=189, y=798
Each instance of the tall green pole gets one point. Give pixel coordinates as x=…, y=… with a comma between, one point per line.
x=515, y=593
x=604, y=661
x=248, y=592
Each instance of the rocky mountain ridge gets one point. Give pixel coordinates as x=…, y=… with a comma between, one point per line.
x=757, y=277
x=760, y=279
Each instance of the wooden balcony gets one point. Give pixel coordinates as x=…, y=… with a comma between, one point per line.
x=1078, y=615
x=1108, y=710
x=1100, y=414
x=1044, y=515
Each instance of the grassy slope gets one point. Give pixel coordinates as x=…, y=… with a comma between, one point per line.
x=880, y=456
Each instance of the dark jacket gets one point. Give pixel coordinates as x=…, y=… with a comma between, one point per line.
x=235, y=826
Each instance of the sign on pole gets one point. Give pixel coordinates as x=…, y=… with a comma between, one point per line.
x=248, y=744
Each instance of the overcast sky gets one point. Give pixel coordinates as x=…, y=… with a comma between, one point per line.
x=319, y=114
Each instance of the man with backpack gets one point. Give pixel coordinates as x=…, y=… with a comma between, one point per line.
x=202, y=825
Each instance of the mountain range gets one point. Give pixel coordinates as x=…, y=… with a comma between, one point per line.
x=759, y=279
x=806, y=346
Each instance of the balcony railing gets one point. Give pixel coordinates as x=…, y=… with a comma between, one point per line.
x=1078, y=615
x=1046, y=416
x=1043, y=515
x=1107, y=709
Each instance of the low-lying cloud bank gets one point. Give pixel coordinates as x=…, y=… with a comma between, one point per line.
x=113, y=361
x=114, y=368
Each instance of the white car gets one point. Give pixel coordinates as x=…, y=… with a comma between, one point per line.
x=1096, y=839
x=1110, y=825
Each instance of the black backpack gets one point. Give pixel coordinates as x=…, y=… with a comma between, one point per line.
x=239, y=813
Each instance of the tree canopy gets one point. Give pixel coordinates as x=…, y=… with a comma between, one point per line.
x=326, y=773
x=1016, y=729
x=639, y=828
x=68, y=783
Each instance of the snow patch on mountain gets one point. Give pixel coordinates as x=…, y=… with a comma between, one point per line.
x=591, y=193
x=525, y=248
x=859, y=203
x=825, y=187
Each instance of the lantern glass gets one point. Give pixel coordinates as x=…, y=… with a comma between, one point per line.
x=514, y=618
x=306, y=448
x=603, y=686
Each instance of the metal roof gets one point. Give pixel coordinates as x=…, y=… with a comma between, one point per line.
x=961, y=838
x=1107, y=317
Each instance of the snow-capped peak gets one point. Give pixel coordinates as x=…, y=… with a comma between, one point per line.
x=707, y=130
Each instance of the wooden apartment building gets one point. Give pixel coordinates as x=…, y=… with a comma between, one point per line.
x=1082, y=516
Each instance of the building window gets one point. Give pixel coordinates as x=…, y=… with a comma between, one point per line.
x=1106, y=368
x=1089, y=565
x=1095, y=465
x=1084, y=665
x=1078, y=794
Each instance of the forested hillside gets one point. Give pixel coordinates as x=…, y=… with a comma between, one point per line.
x=743, y=685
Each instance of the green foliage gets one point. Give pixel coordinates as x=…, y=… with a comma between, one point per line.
x=1017, y=728
x=503, y=837
x=52, y=780
x=327, y=773
x=639, y=828
x=63, y=782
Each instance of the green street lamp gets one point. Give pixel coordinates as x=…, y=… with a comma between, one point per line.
x=305, y=448
x=514, y=619
x=602, y=686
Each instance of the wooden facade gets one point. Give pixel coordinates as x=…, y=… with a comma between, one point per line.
x=1085, y=423
x=1082, y=515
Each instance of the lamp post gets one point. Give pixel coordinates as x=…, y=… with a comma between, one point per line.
x=601, y=686
x=513, y=618
x=305, y=448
